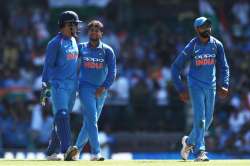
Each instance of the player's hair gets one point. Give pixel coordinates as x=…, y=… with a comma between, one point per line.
x=95, y=23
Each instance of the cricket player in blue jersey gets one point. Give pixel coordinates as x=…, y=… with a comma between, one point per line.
x=204, y=54
x=97, y=73
x=60, y=77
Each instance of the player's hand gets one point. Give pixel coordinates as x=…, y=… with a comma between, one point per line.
x=223, y=92
x=184, y=96
x=45, y=93
x=99, y=91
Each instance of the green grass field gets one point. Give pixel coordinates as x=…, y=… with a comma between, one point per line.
x=124, y=163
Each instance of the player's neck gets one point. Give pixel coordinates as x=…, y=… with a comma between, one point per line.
x=66, y=33
x=94, y=43
x=204, y=40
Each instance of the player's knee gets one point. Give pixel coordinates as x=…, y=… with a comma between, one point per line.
x=91, y=121
x=202, y=123
x=61, y=114
x=91, y=118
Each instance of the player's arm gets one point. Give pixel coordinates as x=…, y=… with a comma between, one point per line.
x=224, y=71
x=111, y=63
x=178, y=66
x=51, y=53
x=79, y=63
x=50, y=59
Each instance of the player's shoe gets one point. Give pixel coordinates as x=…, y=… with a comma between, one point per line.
x=72, y=154
x=202, y=156
x=55, y=157
x=97, y=157
x=186, y=149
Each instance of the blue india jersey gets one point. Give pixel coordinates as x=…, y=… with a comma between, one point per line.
x=61, y=59
x=97, y=65
x=204, y=59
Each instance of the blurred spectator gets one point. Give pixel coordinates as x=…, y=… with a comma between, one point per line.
x=119, y=90
x=15, y=127
x=10, y=55
x=241, y=12
x=236, y=120
x=41, y=125
x=1, y=132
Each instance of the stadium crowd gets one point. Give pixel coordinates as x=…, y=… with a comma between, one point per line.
x=143, y=91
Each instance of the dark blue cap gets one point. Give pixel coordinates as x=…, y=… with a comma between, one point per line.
x=201, y=21
x=68, y=16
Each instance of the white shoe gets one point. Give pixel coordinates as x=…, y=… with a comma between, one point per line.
x=186, y=149
x=202, y=156
x=97, y=157
x=55, y=157
x=72, y=154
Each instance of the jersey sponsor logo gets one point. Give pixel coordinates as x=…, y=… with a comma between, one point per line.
x=205, y=59
x=202, y=56
x=90, y=59
x=72, y=56
x=93, y=63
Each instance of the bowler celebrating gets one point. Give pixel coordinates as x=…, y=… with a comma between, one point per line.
x=97, y=73
x=204, y=54
x=60, y=73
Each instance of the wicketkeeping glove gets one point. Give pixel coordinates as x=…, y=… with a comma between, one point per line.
x=45, y=93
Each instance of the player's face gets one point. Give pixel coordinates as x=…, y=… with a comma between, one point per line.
x=70, y=28
x=94, y=33
x=204, y=30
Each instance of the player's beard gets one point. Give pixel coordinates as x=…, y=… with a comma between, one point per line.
x=74, y=31
x=94, y=39
x=205, y=34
